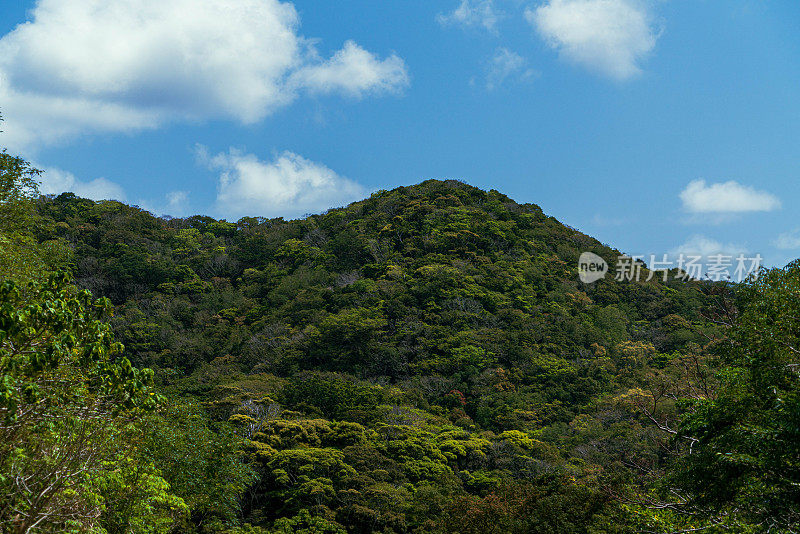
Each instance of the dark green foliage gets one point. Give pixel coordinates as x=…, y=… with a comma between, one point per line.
x=745, y=459
x=425, y=360
x=334, y=396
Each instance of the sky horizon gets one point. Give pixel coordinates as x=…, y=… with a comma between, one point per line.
x=655, y=126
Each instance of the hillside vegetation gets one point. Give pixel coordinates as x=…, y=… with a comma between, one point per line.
x=425, y=360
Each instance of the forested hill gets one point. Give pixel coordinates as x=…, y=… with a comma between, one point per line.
x=436, y=279
x=417, y=358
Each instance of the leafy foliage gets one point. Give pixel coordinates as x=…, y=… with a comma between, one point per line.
x=426, y=360
x=744, y=459
x=62, y=385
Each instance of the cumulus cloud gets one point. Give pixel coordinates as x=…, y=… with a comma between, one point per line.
x=788, y=240
x=611, y=37
x=699, y=245
x=726, y=197
x=353, y=71
x=472, y=14
x=55, y=181
x=287, y=186
x=90, y=66
x=505, y=64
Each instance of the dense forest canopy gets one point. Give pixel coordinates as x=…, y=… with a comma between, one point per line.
x=424, y=360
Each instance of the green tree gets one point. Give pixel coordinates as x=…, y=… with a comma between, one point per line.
x=744, y=460
x=63, y=386
x=18, y=189
x=22, y=255
x=137, y=499
x=201, y=461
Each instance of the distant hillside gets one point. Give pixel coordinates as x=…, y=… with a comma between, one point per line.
x=444, y=324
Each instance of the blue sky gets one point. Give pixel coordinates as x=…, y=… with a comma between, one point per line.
x=659, y=126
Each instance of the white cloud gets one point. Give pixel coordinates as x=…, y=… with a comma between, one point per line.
x=56, y=181
x=90, y=66
x=608, y=36
x=471, y=14
x=504, y=64
x=287, y=186
x=699, y=245
x=177, y=199
x=788, y=240
x=354, y=71
x=174, y=204
x=726, y=197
